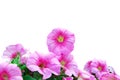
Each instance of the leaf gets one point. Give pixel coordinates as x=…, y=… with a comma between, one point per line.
x=28, y=77
x=22, y=66
x=16, y=60
x=55, y=77
x=37, y=76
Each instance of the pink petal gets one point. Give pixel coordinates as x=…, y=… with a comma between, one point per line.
x=16, y=78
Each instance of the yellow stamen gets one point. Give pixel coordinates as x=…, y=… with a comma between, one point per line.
x=41, y=65
x=60, y=39
x=80, y=78
x=5, y=76
x=62, y=63
x=99, y=68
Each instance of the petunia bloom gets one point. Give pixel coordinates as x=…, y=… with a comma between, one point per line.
x=10, y=72
x=96, y=67
x=68, y=64
x=67, y=78
x=12, y=51
x=60, y=41
x=44, y=64
x=109, y=76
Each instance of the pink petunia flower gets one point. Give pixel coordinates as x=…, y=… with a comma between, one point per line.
x=60, y=41
x=85, y=76
x=12, y=51
x=96, y=67
x=10, y=72
x=44, y=64
x=68, y=64
x=109, y=76
x=67, y=78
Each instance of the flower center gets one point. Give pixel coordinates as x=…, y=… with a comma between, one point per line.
x=5, y=76
x=63, y=63
x=80, y=78
x=99, y=68
x=60, y=38
x=14, y=55
x=42, y=65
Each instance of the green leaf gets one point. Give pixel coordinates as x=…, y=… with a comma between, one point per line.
x=37, y=76
x=28, y=77
x=55, y=77
x=16, y=60
x=22, y=66
x=26, y=71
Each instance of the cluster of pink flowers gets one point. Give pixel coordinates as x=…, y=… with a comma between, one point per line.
x=58, y=64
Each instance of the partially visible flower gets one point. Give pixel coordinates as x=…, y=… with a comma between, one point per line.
x=12, y=51
x=60, y=40
x=10, y=72
x=67, y=78
x=85, y=76
x=68, y=64
x=111, y=70
x=96, y=67
x=109, y=76
x=44, y=64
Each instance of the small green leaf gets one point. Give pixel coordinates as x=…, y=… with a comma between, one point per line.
x=55, y=77
x=26, y=71
x=16, y=60
x=22, y=66
x=28, y=77
x=37, y=75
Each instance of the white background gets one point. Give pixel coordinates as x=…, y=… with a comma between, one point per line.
x=95, y=23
